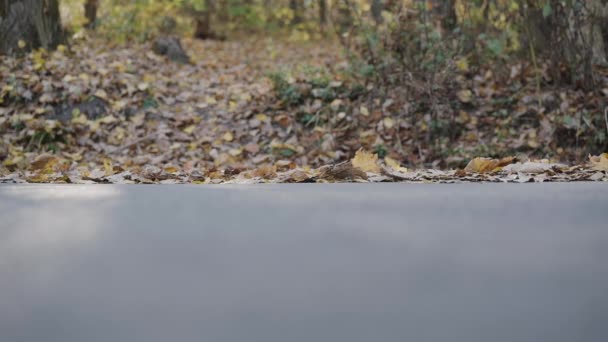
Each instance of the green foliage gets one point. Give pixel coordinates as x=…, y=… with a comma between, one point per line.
x=288, y=93
x=381, y=151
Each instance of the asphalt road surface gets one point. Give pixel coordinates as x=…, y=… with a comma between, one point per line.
x=304, y=263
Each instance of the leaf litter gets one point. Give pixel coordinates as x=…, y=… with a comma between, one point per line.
x=91, y=114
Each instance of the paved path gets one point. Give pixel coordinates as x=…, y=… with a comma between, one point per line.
x=304, y=263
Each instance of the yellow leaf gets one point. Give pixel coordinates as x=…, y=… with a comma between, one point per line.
x=101, y=94
x=21, y=44
x=235, y=151
x=228, y=136
x=465, y=96
x=600, y=162
x=190, y=129
x=108, y=167
x=232, y=106
x=483, y=165
x=261, y=117
x=108, y=119
x=365, y=161
x=462, y=64
x=44, y=162
x=364, y=111
x=81, y=119
x=171, y=169
x=393, y=164
x=389, y=123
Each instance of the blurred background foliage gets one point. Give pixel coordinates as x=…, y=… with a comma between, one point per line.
x=439, y=70
x=490, y=28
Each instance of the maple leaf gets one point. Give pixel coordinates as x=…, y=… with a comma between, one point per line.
x=366, y=161
x=599, y=163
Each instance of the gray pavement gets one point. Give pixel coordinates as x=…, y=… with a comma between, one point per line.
x=319, y=262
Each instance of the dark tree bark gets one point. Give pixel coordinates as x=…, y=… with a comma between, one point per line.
x=202, y=29
x=35, y=22
x=296, y=6
x=90, y=12
x=376, y=8
x=203, y=20
x=323, y=12
x=449, y=19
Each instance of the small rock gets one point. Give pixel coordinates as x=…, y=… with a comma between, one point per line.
x=172, y=48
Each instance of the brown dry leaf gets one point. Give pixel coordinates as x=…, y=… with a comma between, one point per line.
x=44, y=162
x=38, y=178
x=297, y=176
x=265, y=172
x=366, y=161
x=483, y=165
x=153, y=173
x=344, y=171
x=600, y=162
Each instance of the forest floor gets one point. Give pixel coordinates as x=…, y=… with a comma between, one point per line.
x=269, y=110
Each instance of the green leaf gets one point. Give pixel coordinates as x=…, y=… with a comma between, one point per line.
x=496, y=46
x=286, y=152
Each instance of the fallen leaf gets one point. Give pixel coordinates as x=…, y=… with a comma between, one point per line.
x=228, y=136
x=266, y=172
x=44, y=162
x=465, y=96
x=366, y=161
x=364, y=111
x=190, y=129
x=335, y=104
x=463, y=64
x=388, y=123
x=484, y=165
x=108, y=167
x=532, y=167
x=393, y=164
x=599, y=163
x=344, y=171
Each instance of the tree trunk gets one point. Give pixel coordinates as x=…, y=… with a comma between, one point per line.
x=449, y=19
x=296, y=7
x=578, y=39
x=323, y=12
x=90, y=12
x=203, y=26
x=37, y=23
x=203, y=20
x=376, y=8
